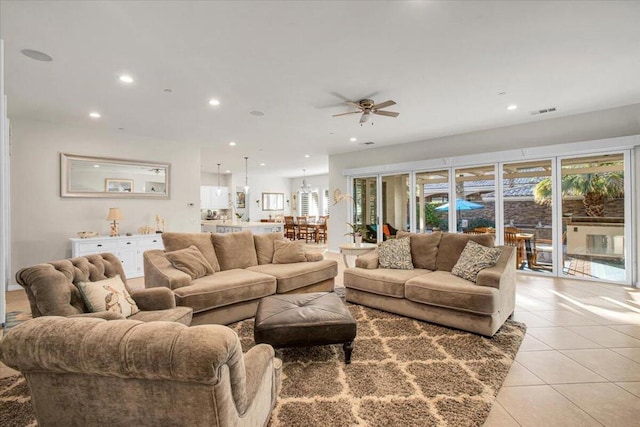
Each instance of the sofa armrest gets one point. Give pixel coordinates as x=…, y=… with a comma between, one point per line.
x=257, y=361
x=106, y=315
x=154, y=299
x=503, y=273
x=158, y=272
x=368, y=261
x=313, y=256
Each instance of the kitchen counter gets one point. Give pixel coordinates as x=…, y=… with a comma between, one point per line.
x=228, y=226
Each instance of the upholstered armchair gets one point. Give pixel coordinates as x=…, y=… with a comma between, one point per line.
x=88, y=371
x=53, y=290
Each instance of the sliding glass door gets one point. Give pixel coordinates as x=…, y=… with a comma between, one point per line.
x=594, y=218
x=475, y=199
x=395, y=204
x=432, y=190
x=365, y=212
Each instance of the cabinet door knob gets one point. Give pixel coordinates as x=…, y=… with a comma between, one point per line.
x=155, y=241
x=128, y=243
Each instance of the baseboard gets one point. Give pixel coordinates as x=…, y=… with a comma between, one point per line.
x=14, y=288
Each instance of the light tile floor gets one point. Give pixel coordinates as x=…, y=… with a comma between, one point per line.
x=579, y=363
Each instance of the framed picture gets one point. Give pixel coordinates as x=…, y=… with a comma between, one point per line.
x=241, y=199
x=115, y=185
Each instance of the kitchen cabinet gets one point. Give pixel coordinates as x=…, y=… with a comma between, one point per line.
x=209, y=198
x=128, y=249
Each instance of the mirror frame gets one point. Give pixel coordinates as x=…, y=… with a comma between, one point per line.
x=65, y=165
x=278, y=202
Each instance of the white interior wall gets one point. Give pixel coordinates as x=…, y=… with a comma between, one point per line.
x=622, y=121
x=43, y=222
x=259, y=184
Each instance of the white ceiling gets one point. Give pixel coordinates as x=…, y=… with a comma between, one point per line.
x=444, y=63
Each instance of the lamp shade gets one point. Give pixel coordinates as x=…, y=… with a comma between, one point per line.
x=114, y=214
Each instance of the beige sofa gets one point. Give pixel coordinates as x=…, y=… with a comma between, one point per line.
x=431, y=292
x=90, y=372
x=243, y=274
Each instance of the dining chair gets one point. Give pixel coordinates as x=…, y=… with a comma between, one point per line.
x=321, y=229
x=304, y=229
x=511, y=239
x=289, y=228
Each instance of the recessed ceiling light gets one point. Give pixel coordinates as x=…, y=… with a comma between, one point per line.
x=512, y=107
x=214, y=102
x=232, y=144
x=94, y=115
x=126, y=78
x=307, y=156
x=353, y=139
x=37, y=55
x=263, y=164
x=96, y=166
x=228, y=171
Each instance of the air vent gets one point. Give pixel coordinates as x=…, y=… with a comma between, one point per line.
x=544, y=111
x=368, y=143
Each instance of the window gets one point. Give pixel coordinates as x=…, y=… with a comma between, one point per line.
x=309, y=203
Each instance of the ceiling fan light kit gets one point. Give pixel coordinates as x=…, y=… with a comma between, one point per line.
x=368, y=107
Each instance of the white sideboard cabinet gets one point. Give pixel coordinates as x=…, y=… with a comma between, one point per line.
x=128, y=249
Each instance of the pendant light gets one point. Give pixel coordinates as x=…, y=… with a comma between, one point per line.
x=305, y=188
x=219, y=190
x=246, y=175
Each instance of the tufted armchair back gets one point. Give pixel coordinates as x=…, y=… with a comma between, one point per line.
x=52, y=289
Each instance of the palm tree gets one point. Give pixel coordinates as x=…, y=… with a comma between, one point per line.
x=594, y=188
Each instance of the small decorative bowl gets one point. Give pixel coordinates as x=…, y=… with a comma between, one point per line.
x=86, y=234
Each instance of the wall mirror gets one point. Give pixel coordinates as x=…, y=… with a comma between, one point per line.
x=272, y=201
x=83, y=176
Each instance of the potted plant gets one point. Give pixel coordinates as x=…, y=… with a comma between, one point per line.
x=355, y=232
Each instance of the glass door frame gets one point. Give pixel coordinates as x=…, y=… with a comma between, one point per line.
x=629, y=257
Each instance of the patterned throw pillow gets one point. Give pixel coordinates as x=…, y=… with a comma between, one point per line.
x=108, y=295
x=474, y=258
x=395, y=254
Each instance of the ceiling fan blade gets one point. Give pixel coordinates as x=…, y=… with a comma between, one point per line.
x=344, y=114
x=354, y=104
x=384, y=104
x=386, y=113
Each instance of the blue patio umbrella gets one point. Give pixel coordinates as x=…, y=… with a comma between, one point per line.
x=461, y=205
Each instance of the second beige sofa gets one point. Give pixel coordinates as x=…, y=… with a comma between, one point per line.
x=243, y=274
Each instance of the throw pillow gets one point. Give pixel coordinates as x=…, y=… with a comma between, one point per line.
x=475, y=257
x=190, y=261
x=395, y=254
x=286, y=252
x=108, y=295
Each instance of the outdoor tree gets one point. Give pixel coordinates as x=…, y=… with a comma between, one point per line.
x=594, y=188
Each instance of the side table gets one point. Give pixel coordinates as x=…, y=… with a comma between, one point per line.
x=356, y=249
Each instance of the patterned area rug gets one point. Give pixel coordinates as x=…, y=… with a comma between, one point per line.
x=404, y=372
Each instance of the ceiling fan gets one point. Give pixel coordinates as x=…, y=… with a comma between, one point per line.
x=367, y=107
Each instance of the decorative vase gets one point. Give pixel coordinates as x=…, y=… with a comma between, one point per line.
x=358, y=239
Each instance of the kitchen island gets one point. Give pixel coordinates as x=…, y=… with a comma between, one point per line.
x=228, y=226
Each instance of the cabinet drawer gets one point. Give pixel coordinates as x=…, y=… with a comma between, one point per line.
x=154, y=243
x=95, y=247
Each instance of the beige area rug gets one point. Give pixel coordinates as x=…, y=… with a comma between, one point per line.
x=403, y=372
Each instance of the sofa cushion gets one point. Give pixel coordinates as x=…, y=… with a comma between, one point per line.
x=424, y=248
x=285, y=252
x=175, y=241
x=443, y=289
x=191, y=261
x=177, y=314
x=395, y=254
x=108, y=295
x=264, y=246
x=235, y=250
x=381, y=281
x=295, y=276
x=225, y=288
x=474, y=258
x=452, y=245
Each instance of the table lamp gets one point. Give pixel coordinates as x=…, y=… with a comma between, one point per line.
x=114, y=215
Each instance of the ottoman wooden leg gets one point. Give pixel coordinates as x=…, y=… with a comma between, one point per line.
x=348, y=348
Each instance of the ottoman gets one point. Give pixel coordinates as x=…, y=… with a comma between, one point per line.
x=299, y=320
